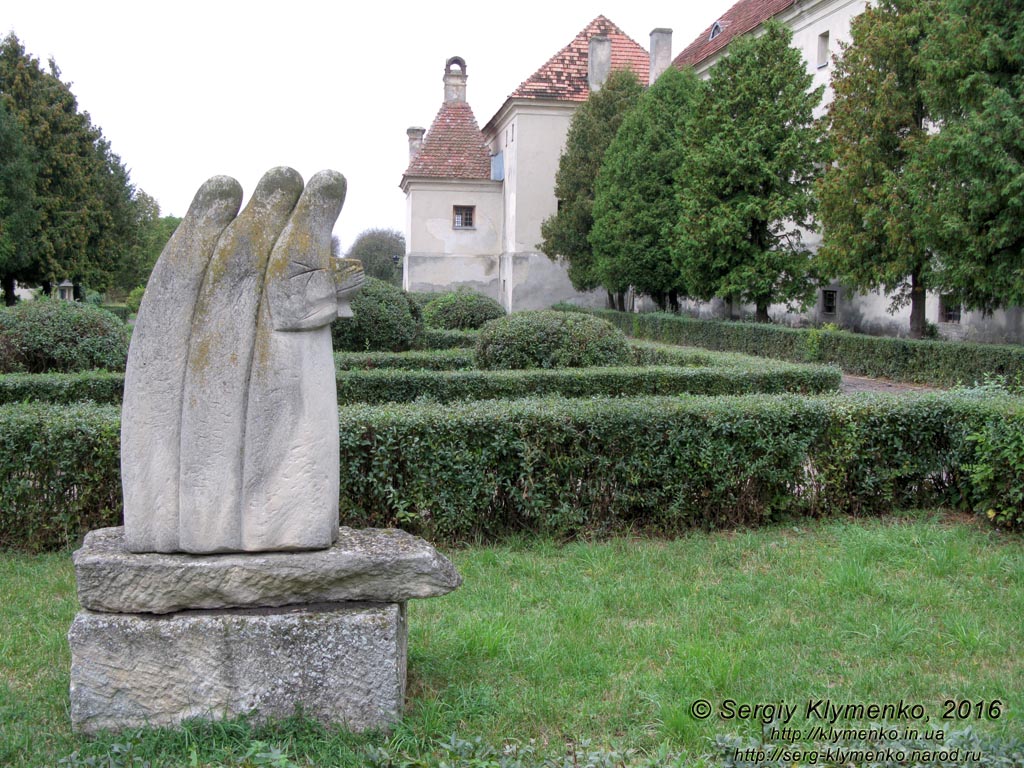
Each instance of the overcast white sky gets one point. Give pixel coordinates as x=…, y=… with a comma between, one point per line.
x=187, y=90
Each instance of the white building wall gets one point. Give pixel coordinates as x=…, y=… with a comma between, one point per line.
x=439, y=256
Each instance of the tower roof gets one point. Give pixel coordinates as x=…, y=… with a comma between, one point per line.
x=453, y=147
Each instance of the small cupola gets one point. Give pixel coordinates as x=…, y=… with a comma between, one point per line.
x=455, y=79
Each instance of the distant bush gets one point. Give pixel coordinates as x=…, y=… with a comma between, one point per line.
x=120, y=311
x=461, y=310
x=134, y=300
x=548, y=339
x=50, y=335
x=383, y=319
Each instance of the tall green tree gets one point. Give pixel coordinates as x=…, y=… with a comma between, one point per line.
x=745, y=187
x=973, y=173
x=153, y=232
x=381, y=251
x=635, y=199
x=870, y=198
x=17, y=204
x=83, y=195
x=566, y=235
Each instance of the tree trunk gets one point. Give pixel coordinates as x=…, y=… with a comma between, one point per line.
x=8, y=287
x=47, y=288
x=620, y=301
x=673, y=301
x=611, y=300
x=762, y=312
x=917, y=299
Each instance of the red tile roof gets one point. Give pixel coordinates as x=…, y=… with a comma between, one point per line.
x=738, y=20
x=564, y=76
x=453, y=147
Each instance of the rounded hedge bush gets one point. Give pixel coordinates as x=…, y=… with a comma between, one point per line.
x=549, y=339
x=51, y=335
x=461, y=311
x=383, y=320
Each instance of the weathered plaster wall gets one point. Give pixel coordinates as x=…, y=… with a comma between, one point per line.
x=429, y=217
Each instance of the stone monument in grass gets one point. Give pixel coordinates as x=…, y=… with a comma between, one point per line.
x=231, y=589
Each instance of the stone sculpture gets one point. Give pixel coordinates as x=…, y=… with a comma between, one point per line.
x=208, y=602
x=229, y=425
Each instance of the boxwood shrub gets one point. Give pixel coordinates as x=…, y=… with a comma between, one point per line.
x=60, y=336
x=927, y=362
x=549, y=339
x=485, y=468
x=383, y=319
x=461, y=310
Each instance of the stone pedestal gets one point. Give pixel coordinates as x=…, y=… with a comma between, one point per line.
x=162, y=638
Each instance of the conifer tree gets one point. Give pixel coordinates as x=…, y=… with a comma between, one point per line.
x=972, y=180
x=745, y=186
x=635, y=202
x=83, y=198
x=566, y=234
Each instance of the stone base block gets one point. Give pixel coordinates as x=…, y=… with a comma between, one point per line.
x=342, y=663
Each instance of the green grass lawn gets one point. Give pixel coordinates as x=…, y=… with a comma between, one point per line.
x=612, y=643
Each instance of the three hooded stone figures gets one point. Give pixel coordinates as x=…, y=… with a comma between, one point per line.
x=229, y=436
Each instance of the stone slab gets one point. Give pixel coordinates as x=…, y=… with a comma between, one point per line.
x=371, y=564
x=341, y=664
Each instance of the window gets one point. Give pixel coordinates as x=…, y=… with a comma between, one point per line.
x=716, y=30
x=462, y=216
x=949, y=309
x=828, y=302
x=823, y=50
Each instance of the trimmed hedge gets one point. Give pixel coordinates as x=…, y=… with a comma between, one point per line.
x=561, y=466
x=60, y=473
x=455, y=359
x=98, y=386
x=926, y=362
x=395, y=385
x=445, y=376
x=436, y=338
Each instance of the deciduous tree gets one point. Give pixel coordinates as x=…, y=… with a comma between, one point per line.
x=745, y=187
x=566, y=234
x=381, y=251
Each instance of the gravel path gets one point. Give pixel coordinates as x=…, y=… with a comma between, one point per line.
x=852, y=384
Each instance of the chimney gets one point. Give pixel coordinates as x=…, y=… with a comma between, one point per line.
x=415, y=141
x=599, y=61
x=455, y=80
x=661, y=52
